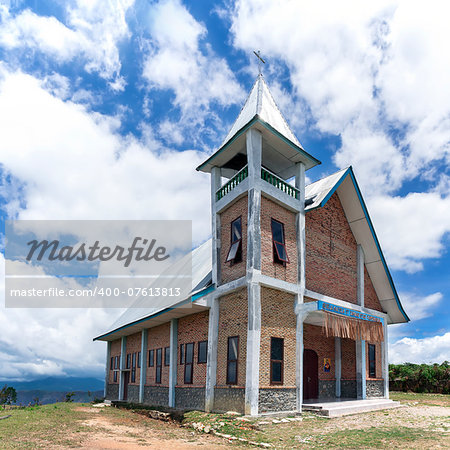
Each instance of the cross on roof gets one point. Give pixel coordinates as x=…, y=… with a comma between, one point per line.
x=260, y=60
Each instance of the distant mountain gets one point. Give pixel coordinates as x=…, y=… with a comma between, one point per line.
x=59, y=384
x=46, y=397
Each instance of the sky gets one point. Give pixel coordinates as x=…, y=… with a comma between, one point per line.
x=107, y=107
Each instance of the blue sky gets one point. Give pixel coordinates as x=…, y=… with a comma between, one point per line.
x=106, y=108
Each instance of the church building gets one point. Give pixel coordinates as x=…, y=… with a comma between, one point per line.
x=291, y=298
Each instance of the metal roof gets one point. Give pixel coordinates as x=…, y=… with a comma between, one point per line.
x=318, y=193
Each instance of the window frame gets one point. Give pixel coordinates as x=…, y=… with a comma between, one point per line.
x=189, y=366
x=372, y=374
x=234, y=260
x=272, y=382
x=128, y=361
x=232, y=360
x=151, y=358
x=275, y=253
x=111, y=364
x=158, y=379
x=139, y=360
x=198, y=352
x=166, y=356
x=182, y=354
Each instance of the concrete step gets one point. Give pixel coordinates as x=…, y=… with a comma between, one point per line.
x=338, y=409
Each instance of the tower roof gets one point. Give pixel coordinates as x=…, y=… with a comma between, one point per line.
x=281, y=149
x=261, y=103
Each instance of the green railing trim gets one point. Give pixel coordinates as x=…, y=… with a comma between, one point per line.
x=232, y=183
x=279, y=183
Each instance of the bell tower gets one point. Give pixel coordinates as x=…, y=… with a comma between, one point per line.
x=258, y=225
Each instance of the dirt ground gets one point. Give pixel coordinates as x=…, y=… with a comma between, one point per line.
x=107, y=431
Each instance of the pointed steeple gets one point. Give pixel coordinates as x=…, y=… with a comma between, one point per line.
x=261, y=103
x=281, y=150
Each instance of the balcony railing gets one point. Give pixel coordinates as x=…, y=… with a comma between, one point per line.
x=232, y=183
x=266, y=175
x=279, y=183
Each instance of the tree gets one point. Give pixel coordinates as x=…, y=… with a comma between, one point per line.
x=8, y=395
x=69, y=396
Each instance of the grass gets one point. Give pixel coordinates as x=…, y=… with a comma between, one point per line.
x=417, y=425
x=37, y=426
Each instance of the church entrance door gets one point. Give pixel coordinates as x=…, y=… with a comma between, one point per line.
x=310, y=374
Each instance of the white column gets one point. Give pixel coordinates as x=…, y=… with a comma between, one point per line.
x=253, y=349
x=299, y=298
x=360, y=274
x=254, y=154
x=211, y=363
x=143, y=370
x=360, y=345
x=385, y=360
x=338, y=365
x=122, y=362
x=216, y=183
x=108, y=367
x=173, y=363
x=299, y=361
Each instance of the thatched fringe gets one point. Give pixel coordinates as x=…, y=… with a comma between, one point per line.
x=350, y=328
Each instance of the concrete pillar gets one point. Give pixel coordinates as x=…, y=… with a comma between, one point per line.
x=254, y=155
x=143, y=370
x=216, y=183
x=385, y=360
x=301, y=237
x=338, y=365
x=108, y=367
x=211, y=363
x=253, y=349
x=360, y=345
x=122, y=363
x=299, y=361
x=360, y=275
x=173, y=362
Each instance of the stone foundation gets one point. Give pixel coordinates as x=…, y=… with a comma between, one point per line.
x=229, y=399
x=190, y=398
x=277, y=399
x=348, y=388
x=156, y=395
x=133, y=393
x=112, y=392
x=327, y=388
x=375, y=388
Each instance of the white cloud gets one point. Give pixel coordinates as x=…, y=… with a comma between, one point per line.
x=411, y=228
x=93, y=31
x=68, y=163
x=418, y=307
x=434, y=349
x=364, y=69
x=176, y=61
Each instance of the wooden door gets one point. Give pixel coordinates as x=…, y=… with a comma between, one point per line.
x=126, y=380
x=310, y=374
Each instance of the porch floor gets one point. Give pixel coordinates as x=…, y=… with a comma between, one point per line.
x=336, y=407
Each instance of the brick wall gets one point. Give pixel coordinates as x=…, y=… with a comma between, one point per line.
x=348, y=355
x=330, y=255
x=277, y=320
x=271, y=210
x=370, y=296
x=238, y=209
x=233, y=310
x=193, y=328
x=115, y=351
x=314, y=339
x=158, y=337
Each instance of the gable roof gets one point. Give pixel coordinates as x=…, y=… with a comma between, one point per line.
x=317, y=195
